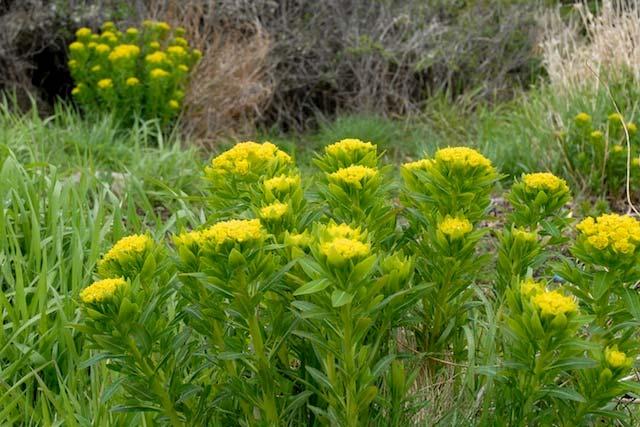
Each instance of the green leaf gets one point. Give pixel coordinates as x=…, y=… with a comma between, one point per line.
x=312, y=287
x=563, y=393
x=340, y=298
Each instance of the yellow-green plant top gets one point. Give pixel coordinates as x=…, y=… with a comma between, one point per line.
x=274, y=211
x=617, y=359
x=129, y=245
x=336, y=231
x=102, y=48
x=159, y=73
x=422, y=164
x=583, y=118
x=235, y=230
x=455, y=228
x=124, y=52
x=618, y=232
x=342, y=249
x=298, y=239
x=244, y=156
x=530, y=288
x=348, y=146
x=156, y=58
x=282, y=183
x=554, y=303
x=132, y=81
x=462, y=157
x=544, y=181
x=187, y=239
x=524, y=236
x=83, y=32
x=76, y=47
x=101, y=290
x=353, y=175
x=597, y=136
x=632, y=128
x=616, y=118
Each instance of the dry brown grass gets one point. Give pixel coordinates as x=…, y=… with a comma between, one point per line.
x=591, y=48
x=232, y=83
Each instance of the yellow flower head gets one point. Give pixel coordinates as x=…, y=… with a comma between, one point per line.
x=132, y=81
x=530, y=288
x=73, y=64
x=617, y=148
x=462, y=157
x=156, y=58
x=83, y=32
x=246, y=156
x=298, y=239
x=455, y=228
x=616, y=118
x=197, y=54
x=77, y=90
x=124, y=52
x=163, y=26
x=618, y=232
x=422, y=164
x=348, y=146
x=108, y=26
x=237, y=230
x=174, y=105
x=336, y=231
x=282, y=183
x=154, y=45
x=176, y=50
x=183, y=68
x=583, y=118
x=127, y=246
x=274, y=211
x=597, y=136
x=76, y=47
x=340, y=250
x=180, y=31
x=554, y=303
x=617, y=359
x=102, y=290
x=105, y=84
x=180, y=41
x=96, y=69
x=102, y=48
x=632, y=128
x=353, y=175
x=158, y=73
x=636, y=161
x=109, y=36
x=524, y=236
x=544, y=181
x=188, y=238
x=132, y=31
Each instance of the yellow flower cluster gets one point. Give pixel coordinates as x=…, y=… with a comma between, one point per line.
x=244, y=156
x=617, y=359
x=524, y=236
x=616, y=118
x=583, y=118
x=124, y=52
x=544, y=181
x=236, y=230
x=336, y=231
x=422, y=164
x=274, y=211
x=101, y=290
x=619, y=232
x=130, y=245
x=105, y=84
x=298, y=239
x=554, y=303
x=353, y=175
x=282, y=183
x=159, y=73
x=462, y=157
x=455, y=228
x=597, y=136
x=348, y=146
x=343, y=249
x=156, y=58
x=530, y=288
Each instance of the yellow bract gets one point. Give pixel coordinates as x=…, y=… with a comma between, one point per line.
x=455, y=228
x=583, y=118
x=617, y=359
x=462, y=157
x=105, y=84
x=422, y=164
x=530, y=288
x=173, y=104
x=76, y=47
x=620, y=232
x=83, y=32
x=554, y=303
x=159, y=73
x=156, y=57
x=544, y=181
x=236, y=230
x=597, y=135
x=101, y=290
x=353, y=175
x=349, y=145
x=132, y=81
x=343, y=231
x=274, y=211
x=524, y=235
x=282, y=183
x=102, y=48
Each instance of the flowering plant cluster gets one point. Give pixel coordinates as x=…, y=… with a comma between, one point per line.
x=336, y=303
x=140, y=72
x=596, y=154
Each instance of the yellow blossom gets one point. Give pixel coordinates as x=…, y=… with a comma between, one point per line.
x=343, y=231
x=282, y=183
x=422, y=164
x=102, y=48
x=156, y=58
x=597, y=135
x=132, y=31
x=132, y=81
x=105, y=84
x=96, y=69
x=176, y=50
x=101, y=290
x=342, y=249
x=274, y=211
x=159, y=73
x=183, y=68
x=245, y=156
x=616, y=118
x=76, y=90
x=76, y=47
x=530, y=288
x=554, y=303
x=181, y=41
x=348, y=146
x=173, y=104
x=632, y=128
x=127, y=246
x=620, y=232
x=154, y=45
x=83, y=32
x=234, y=230
x=544, y=181
x=124, y=51
x=462, y=157
x=353, y=175
x=617, y=359
x=524, y=235
x=455, y=228
x=583, y=118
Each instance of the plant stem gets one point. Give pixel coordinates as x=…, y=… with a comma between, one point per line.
x=264, y=370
